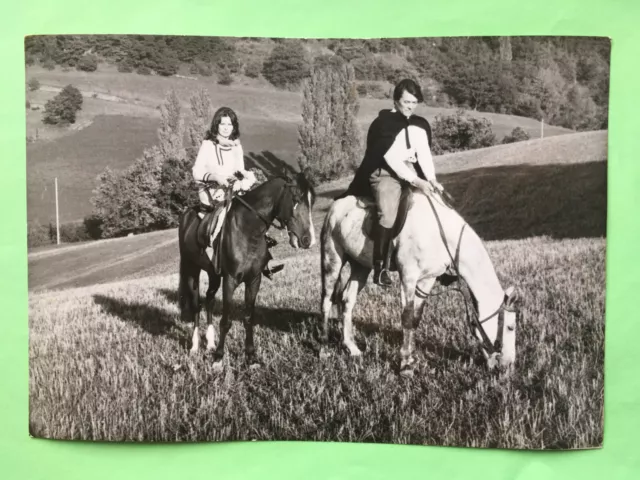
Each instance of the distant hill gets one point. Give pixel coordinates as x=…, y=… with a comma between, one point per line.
x=120, y=117
x=505, y=192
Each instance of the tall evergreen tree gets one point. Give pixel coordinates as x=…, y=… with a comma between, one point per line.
x=328, y=137
x=171, y=131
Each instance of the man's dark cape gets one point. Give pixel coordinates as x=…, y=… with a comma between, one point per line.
x=382, y=133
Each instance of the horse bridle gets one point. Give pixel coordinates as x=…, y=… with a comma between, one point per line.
x=266, y=221
x=473, y=320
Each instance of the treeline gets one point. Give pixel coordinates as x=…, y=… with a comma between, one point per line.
x=563, y=80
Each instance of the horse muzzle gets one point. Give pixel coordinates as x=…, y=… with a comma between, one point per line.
x=299, y=242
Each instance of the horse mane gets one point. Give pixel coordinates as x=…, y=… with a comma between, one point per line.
x=306, y=185
x=301, y=180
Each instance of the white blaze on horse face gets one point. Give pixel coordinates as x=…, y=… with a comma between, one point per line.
x=508, y=357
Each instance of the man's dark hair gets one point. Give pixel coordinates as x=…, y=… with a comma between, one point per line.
x=410, y=86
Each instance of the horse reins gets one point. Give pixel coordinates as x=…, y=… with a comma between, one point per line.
x=472, y=320
x=262, y=217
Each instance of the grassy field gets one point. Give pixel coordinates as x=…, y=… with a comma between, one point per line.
x=114, y=128
x=109, y=355
x=110, y=362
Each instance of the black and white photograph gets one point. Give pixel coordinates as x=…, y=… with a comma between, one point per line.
x=376, y=240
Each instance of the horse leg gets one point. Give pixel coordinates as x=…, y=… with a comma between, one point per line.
x=228, y=287
x=189, y=300
x=250, y=294
x=407, y=298
x=425, y=287
x=214, y=285
x=357, y=282
x=331, y=266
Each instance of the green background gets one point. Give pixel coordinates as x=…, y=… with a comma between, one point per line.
x=23, y=457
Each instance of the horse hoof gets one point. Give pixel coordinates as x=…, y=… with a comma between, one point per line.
x=324, y=354
x=253, y=362
x=406, y=372
x=193, y=352
x=218, y=366
x=353, y=350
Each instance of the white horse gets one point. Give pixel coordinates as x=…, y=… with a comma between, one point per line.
x=422, y=252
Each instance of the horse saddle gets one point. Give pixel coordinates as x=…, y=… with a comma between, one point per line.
x=205, y=230
x=406, y=200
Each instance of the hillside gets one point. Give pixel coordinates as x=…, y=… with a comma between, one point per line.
x=505, y=192
x=120, y=117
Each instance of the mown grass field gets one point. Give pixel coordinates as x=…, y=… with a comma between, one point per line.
x=110, y=362
x=114, y=128
x=109, y=355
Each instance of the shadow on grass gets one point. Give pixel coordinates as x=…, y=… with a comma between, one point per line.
x=153, y=320
x=157, y=321
x=392, y=336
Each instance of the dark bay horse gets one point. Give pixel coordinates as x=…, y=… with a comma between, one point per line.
x=244, y=254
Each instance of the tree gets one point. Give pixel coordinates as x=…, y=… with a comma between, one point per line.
x=287, y=65
x=165, y=63
x=87, y=63
x=171, y=131
x=225, y=78
x=454, y=133
x=506, y=53
x=33, y=84
x=177, y=190
x=126, y=202
x=472, y=78
x=62, y=108
x=252, y=70
x=518, y=134
x=329, y=137
x=150, y=193
x=201, y=116
x=579, y=111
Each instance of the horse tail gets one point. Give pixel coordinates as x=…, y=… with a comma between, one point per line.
x=323, y=255
x=184, y=291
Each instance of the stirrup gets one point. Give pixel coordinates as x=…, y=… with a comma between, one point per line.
x=269, y=271
x=384, y=279
x=378, y=270
x=271, y=242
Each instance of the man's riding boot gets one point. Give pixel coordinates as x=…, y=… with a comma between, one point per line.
x=381, y=257
x=269, y=271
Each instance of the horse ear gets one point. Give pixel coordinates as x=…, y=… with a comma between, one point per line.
x=306, y=178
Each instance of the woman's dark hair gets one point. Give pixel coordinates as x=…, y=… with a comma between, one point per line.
x=410, y=86
x=222, y=112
